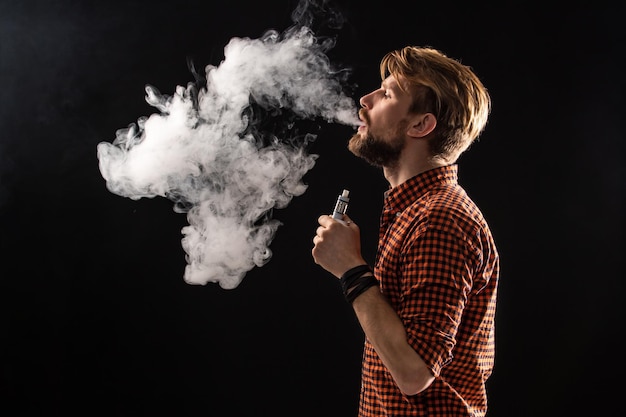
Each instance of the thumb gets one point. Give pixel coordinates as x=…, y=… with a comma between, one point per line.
x=347, y=220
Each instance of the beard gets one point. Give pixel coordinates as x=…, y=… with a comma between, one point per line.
x=376, y=150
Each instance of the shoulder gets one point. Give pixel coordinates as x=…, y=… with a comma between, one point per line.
x=449, y=203
x=449, y=212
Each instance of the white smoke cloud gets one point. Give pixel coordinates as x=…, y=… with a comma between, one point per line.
x=201, y=151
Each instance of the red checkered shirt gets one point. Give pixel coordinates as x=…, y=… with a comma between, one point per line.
x=438, y=266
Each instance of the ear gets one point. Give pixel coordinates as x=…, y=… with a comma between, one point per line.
x=421, y=125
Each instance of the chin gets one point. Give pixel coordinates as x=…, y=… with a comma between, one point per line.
x=355, y=142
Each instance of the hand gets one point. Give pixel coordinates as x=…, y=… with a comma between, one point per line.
x=337, y=245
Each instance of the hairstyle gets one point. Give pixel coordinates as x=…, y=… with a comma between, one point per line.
x=446, y=88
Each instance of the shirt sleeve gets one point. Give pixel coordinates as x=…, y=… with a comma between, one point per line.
x=436, y=281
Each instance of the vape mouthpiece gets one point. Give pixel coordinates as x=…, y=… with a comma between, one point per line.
x=342, y=205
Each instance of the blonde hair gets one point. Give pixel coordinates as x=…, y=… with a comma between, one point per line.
x=446, y=88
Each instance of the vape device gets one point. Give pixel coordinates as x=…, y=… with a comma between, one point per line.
x=341, y=206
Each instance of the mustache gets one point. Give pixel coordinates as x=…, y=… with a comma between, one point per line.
x=364, y=116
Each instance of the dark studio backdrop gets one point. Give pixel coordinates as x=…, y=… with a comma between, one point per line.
x=96, y=318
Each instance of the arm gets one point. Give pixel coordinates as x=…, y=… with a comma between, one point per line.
x=337, y=249
x=387, y=334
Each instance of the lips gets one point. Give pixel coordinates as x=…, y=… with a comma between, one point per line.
x=363, y=124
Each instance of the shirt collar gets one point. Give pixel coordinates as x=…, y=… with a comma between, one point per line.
x=400, y=197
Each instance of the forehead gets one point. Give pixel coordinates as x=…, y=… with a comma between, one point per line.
x=391, y=83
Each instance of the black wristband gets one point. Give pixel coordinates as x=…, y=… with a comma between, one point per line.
x=363, y=283
x=351, y=275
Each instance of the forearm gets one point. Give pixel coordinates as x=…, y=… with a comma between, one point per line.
x=387, y=334
x=337, y=249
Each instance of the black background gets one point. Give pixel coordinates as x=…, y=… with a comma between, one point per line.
x=96, y=318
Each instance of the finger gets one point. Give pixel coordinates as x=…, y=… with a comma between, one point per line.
x=325, y=220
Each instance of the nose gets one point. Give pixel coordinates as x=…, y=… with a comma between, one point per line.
x=362, y=103
x=366, y=101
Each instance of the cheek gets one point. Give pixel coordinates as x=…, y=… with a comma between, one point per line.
x=386, y=117
x=383, y=125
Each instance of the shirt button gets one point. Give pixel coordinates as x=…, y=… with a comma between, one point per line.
x=398, y=213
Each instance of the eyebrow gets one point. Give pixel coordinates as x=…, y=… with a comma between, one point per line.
x=391, y=85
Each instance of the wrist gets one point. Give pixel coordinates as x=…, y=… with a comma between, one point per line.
x=357, y=280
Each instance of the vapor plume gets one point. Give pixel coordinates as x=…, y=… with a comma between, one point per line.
x=206, y=150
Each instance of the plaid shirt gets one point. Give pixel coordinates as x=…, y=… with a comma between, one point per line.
x=438, y=266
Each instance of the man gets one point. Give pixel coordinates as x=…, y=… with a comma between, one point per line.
x=427, y=306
